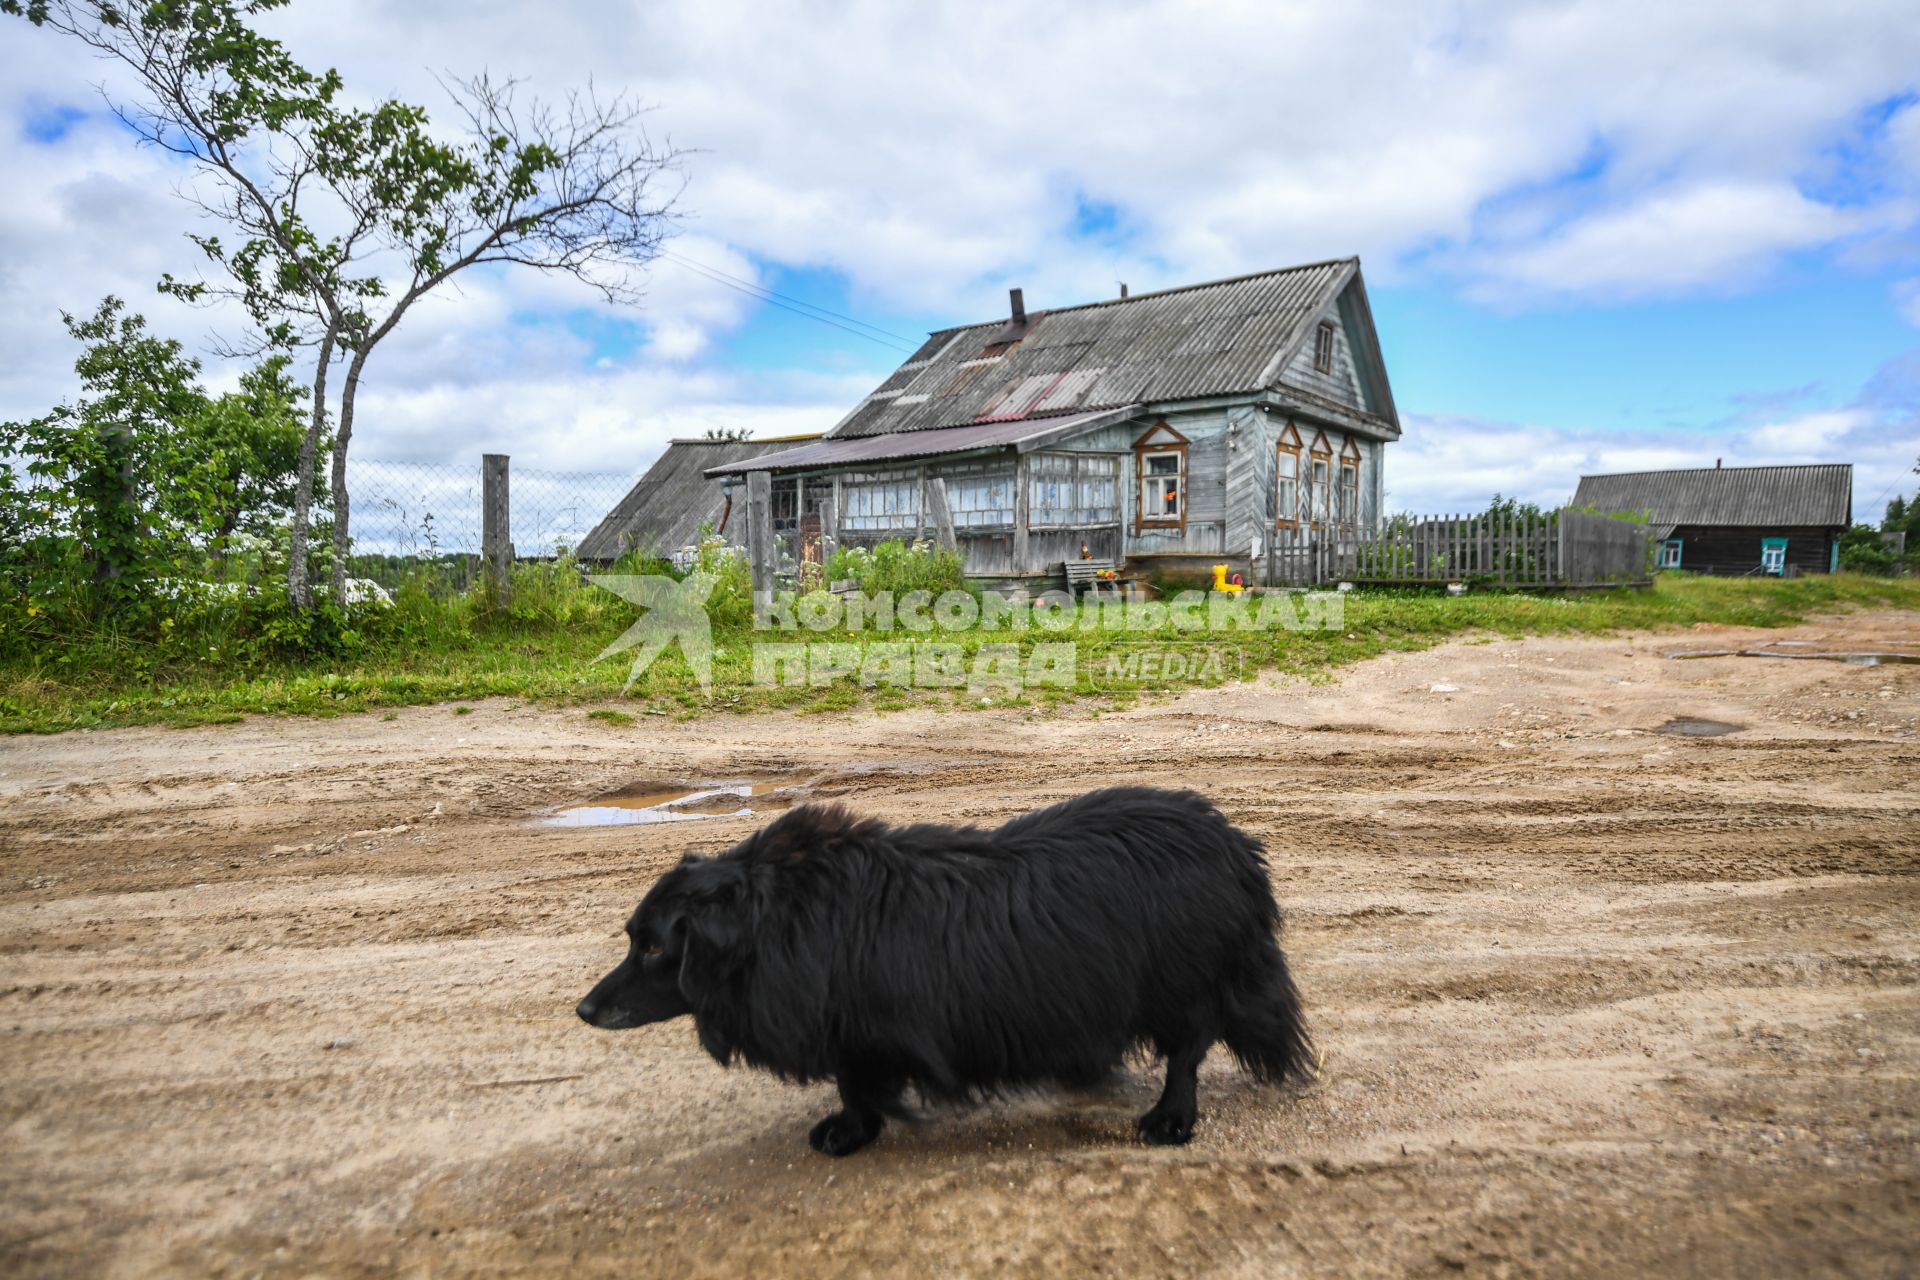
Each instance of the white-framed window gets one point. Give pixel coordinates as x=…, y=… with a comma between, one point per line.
x=1072, y=490
x=1163, y=486
x=1349, y=490
x=1286, y=484
x=1321, y=495
x=881, y=502
x=1773, y=555
x=1669, y=557
x=980, y=497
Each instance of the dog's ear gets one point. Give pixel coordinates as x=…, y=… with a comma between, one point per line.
x=717, y=933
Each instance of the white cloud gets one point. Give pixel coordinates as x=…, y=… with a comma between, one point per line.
x=1710, y=234
x=1906, y=300
x=935, y=155
x=1456, y=464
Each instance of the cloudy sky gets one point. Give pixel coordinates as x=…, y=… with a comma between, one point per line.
x=1598, y=235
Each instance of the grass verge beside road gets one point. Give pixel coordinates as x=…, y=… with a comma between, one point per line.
x=549, y=656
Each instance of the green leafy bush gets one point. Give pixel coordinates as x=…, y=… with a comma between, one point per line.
x=899, y=567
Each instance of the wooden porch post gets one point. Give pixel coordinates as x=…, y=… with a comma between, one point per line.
x=760, y=530
x=1020, y=472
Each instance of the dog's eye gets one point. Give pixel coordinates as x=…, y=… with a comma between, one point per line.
x=654, y=950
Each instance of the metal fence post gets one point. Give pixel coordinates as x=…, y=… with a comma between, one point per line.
x=496, y=527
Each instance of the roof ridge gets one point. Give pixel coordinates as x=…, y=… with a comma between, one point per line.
x=807, y=435
x=1160, y=293
x=1757, y=466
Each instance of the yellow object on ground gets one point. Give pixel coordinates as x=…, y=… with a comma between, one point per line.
x=1220, y=582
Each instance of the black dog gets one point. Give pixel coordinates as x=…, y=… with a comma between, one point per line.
x=963, y=961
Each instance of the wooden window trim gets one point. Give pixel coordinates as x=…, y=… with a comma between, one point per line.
x=1170, y=441
x=1285, y=520
x=1321, y=451
x=1323, y=342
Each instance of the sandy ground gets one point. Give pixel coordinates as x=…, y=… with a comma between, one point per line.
x=294, y=997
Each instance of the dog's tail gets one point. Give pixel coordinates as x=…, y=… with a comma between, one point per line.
x=1265, y=1028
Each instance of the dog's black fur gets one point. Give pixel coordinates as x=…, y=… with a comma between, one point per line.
x=963, y=961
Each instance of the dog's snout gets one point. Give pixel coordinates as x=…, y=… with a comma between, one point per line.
x=587, y=1010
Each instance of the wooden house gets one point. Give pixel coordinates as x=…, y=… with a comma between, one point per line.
x=667, y=507
x=1166, y=431
x=1734, y=521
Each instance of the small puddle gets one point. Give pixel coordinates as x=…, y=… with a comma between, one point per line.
x=1855, y=659
x=656, y=803
x=1692, y=727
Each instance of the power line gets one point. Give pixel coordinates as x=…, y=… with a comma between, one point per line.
x=805, y=310
x=759, y=288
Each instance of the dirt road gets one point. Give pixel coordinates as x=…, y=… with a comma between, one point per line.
x=294, y=997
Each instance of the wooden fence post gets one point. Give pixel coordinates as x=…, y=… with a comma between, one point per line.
x=496, y=528
x=760, y=554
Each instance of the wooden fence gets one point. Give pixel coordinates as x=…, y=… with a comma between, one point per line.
x=1557, y=550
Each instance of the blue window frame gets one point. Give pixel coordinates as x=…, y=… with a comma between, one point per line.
x=1773, y=555
x=1670, y=554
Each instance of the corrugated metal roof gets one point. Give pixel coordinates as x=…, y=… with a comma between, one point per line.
x=1218, y=338
x=666, y=507
x=1025, y=435
x=1819, y=494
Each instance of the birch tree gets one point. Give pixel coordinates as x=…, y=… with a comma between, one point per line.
x=343, y=218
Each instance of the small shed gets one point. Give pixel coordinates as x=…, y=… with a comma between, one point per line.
x=666, y=507
x=1735, y=521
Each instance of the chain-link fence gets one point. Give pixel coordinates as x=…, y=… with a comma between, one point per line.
x=415, y=517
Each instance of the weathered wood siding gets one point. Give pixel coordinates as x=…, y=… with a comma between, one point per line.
x=1733, y=552
x=1341, y=384
x=1249, y=489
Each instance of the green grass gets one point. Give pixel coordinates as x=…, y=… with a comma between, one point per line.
x=450, y=652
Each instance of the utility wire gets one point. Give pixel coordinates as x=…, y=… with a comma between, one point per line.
x=805, y=310
x=759, y=288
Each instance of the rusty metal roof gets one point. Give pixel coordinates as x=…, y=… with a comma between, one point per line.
x=1220, y=338
x=1819, y=495
x=1023, y=436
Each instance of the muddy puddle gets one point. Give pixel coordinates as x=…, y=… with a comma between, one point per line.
x=663, y=802
x=1693, y=727
x=1855, y=659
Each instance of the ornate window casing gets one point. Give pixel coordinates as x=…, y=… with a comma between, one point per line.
x=1288, y=490
x=1160, y=480
x=1349, y=499
x=1320, y=480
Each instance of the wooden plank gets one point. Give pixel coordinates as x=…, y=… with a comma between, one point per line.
x=942, y=515
x=760, y=549
x=496, y=526
x=1022, y=470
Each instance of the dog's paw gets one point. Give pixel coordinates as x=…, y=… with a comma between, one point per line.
x=1166, y=1128
x=842, y=1133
